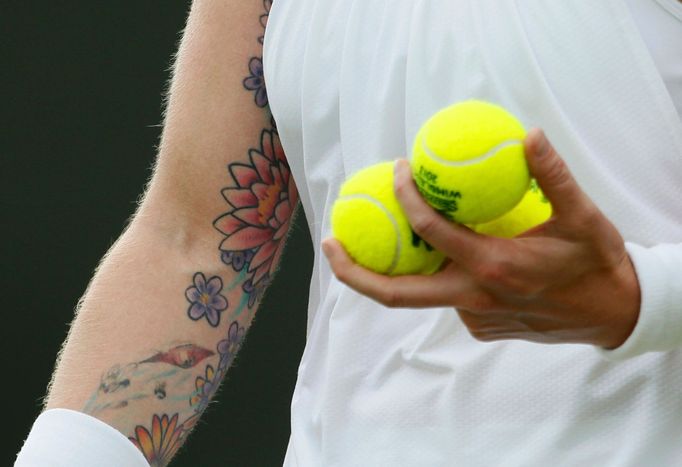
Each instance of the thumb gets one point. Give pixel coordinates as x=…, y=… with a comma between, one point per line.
x=553, y=175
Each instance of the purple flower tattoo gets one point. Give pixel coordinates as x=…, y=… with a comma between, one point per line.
x=267, y=4
x=256, y=82
x=228, y=348
x=205, y=299
x=207, y=385
x=256, y=291
x=237, y=259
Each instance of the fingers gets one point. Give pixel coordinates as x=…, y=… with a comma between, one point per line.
x=456, y=241
x=410, y=291
x=553, y=176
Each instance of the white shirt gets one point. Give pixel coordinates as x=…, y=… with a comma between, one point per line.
x=660, y=24
x=350, y=82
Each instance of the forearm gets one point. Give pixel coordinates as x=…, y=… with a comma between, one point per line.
x=169, y=306
x=150, y=339
x=135, y=350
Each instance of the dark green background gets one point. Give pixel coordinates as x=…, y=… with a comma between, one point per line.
x=82, y=86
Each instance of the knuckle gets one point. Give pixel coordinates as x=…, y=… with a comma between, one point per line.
x=589, y=216
x=424, y=224
x=493, y=272
x=557, y=172
x=399, y=187
x=504, y=275
x=392, y=298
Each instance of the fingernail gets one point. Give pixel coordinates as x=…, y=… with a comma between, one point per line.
x=327, y=250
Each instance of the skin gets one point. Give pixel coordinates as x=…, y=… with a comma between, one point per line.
x=569, y=280
x=170, y=304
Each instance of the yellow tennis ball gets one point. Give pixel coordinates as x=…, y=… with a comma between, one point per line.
x=468, y=162
x=370, y=224
x=533, y=210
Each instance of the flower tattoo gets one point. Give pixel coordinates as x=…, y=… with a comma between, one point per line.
x=228, y=348
x=159, y=445
x=267, y=4
x=207, y=385
x=205, y=299
x=256, y=82
x=257, y=291
x=237, y=259
x=261, y=204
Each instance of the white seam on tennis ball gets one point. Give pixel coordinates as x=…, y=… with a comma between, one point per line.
x=396, y=254
x=491, y=152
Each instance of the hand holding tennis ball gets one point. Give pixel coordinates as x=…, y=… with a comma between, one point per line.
x=567, y=281
x=468, y=163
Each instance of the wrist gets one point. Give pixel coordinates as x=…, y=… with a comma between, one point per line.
x=624, y=308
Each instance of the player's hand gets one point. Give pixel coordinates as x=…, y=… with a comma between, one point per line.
x=567, y=280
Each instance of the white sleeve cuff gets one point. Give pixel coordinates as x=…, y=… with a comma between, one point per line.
x=659, y=326
x=66, y=438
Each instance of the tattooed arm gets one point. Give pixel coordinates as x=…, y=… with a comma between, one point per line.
x=169, y=305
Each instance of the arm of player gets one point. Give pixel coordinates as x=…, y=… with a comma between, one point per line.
x=171, y=302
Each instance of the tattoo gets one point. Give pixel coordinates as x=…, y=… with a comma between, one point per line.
x=207, y=384
x=112, y=380
x=205, y=299
x=205, y=387
x=255, y=292
x=183, y=356
x=228, y=348
x=160, y=444
x=160, y=390
x=267, y=4
x=256, y=82
x=261, y=199
x=237, y=259
x=122, y=385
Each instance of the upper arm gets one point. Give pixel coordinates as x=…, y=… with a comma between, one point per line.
x=219, y=151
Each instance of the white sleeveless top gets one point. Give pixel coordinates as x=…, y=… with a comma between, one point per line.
x=349, y=83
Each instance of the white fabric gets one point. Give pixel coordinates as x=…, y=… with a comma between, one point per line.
x=350, y=82
x=660, y=323
x=66, y=438
x=660, y=24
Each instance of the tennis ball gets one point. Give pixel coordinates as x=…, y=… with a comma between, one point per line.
x=370, y=224
x=468, y=162
x=534, y=209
